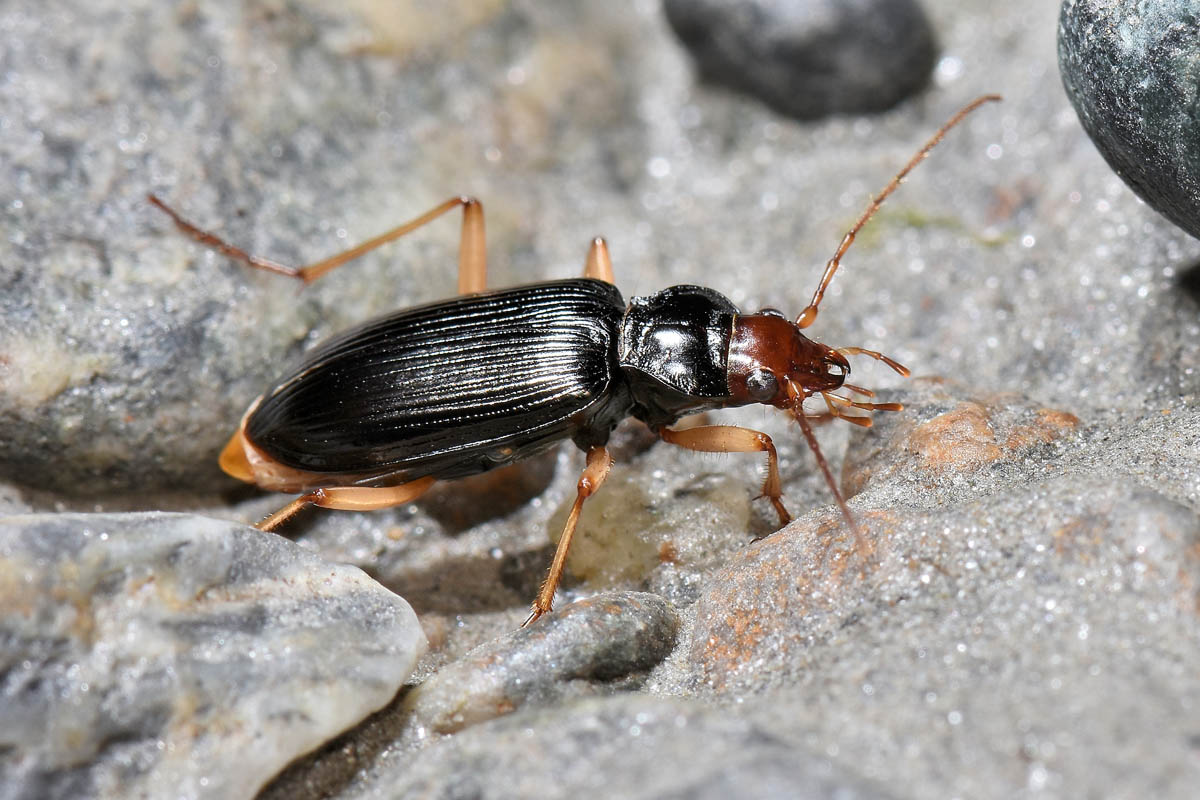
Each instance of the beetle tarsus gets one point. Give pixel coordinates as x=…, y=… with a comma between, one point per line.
x=777, y=502
x=287, y=512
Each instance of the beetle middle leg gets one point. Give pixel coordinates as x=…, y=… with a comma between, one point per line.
x=599, y=462
x=472, y=249
x=350, y=498
x=732, y=439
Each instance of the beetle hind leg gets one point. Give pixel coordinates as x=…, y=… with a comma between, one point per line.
x=472, y=250
x=599, y=462
x=350, y=498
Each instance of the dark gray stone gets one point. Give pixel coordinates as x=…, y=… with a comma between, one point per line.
x=1132, y=71
x=810, y=58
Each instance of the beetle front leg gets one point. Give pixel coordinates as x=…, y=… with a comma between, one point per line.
x=472, y=250
x=599, y=462
x=350, y=498
x=732, y=439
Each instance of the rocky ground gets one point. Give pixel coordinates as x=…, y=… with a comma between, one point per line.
x=1024, y=623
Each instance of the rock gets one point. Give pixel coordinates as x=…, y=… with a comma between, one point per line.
x=465, y=503
x=597, y=646
x=626, y=746
x=1048, y=614
x=945, y=435
x=597, y=640
x=628, y=529
x=810, y=58
x=154, y=655
x=1130, y=69
x=11, y=501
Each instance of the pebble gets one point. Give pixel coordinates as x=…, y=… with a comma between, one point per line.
x=810, y=58
x=1130, y=69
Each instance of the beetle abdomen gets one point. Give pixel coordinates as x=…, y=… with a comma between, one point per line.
x=452, y=388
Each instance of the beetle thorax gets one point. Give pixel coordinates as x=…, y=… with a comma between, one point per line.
x=673, y=351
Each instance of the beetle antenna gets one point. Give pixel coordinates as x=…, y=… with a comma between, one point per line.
x=809, y=314
x=797, y=396
x=860, y=540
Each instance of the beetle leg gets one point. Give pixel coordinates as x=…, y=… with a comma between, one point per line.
x=350, y=498
x=472, y=252
x=732, y=439
x=598, y=464
x=599, y=265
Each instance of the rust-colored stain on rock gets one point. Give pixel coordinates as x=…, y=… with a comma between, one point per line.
x=958, y=439
x=965, y=438
x=731, y=617
x=773, y=597
x=1049, y=424
x=724, y=654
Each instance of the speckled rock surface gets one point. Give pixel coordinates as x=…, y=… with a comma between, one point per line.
x=152, y=655
x=598, y=639
x=617, y=747
x=1053, y=618
x=810, y=58
x=1130, y=69
x=1043, y=476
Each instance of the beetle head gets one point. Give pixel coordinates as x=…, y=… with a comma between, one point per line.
x=772, y=362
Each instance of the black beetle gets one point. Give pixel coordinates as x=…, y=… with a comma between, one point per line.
x=372, y=418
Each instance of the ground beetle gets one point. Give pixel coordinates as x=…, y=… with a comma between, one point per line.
x=372, y=418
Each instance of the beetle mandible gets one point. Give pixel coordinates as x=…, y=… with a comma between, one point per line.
x=373, y=417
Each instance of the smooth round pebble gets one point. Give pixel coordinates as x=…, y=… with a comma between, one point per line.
x=810, y=58
x=1131, y=71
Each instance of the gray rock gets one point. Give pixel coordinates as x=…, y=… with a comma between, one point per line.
x=953, y=440
x=810, y=58
x=599, y=639
x=1051, y=618
x=152, y=655
x=1130, y=69
x=627, y=746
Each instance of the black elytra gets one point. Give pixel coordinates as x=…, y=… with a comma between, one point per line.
x=461, y=386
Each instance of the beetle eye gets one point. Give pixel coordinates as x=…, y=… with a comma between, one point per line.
x=761, y=385
x=771, y=312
